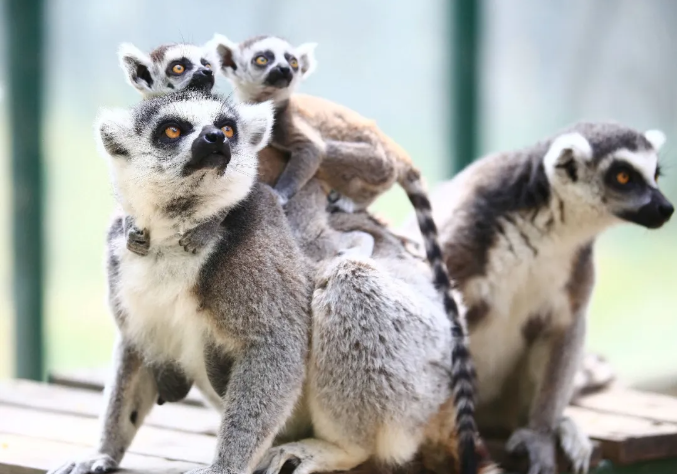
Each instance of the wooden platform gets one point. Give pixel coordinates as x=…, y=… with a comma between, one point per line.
x=44, y=425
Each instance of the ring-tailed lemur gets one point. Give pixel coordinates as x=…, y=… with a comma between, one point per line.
x=168, y=68
x=237, y=314
x=518, y=232
x=347, y=152
x=380, y=382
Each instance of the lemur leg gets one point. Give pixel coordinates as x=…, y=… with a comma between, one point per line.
x=138, y=240
x=553, y=361
x=304, y=161
x=267, y=376
x=364, y=166
x=312, y=455
x=129, y=397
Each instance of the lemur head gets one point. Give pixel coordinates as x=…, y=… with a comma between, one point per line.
x=610, y=169
x=167, y=68
x=188, y=152
x=264, y=67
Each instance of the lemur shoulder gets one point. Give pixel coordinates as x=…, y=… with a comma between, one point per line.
x=518, y=231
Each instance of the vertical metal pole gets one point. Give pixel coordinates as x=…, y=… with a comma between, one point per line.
x=465, y=36
x=24, y=26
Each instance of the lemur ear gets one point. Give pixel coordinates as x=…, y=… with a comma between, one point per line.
x=565, y=152
x=656, y=138
x=111, y=128
x=258, y=123
x=138, y=67
x=224, y=53
x=306, y=53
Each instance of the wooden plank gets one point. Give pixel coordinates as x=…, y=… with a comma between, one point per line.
x=149, y=441
x=515, y=463
x=651, y=406
x=626, y=439
x=95, y=379
x=59, y=399
x=25, y=455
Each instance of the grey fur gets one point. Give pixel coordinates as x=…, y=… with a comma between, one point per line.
x=250, y=297
x=518, y=230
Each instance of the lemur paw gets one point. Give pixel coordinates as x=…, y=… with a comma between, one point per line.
x=138, y=241
x=97, y=464
x=292, y=454
x=575, y=444
x=539, y=447
x=196, y=239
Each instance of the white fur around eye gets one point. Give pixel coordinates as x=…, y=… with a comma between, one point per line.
x=656, y=138
x=575, y=142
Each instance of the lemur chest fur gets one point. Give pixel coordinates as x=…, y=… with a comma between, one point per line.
x=522, y=295
x=163, y=317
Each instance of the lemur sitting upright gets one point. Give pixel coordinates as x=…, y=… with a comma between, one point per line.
x=233, y=318
x=518, y=231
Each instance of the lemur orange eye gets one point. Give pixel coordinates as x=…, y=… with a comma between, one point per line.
x=228, y=131
x=623, y=177
x=294, y=63
x=178, y=69
x=172, y=132
x=261, y=60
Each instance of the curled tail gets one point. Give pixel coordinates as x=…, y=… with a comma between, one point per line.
x=462, y=370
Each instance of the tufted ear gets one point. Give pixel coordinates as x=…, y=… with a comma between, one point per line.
x=656, y=138
x=306, y=53
x=112, y=131
x=137, y=66
x=566, y=153
x=258, y=123
x=223, y=52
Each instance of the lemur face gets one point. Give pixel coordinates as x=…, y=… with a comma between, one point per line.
x=167, y=68
x=184, y=144
x=265, y=67
x=612, y=168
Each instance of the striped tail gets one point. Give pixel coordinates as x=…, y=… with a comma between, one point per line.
x=462, y=370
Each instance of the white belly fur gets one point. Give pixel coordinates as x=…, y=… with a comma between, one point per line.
x=162, y=316
x=520, y=285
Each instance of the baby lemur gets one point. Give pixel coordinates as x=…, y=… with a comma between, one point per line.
x=170, y=67
x=234, y=315
x=518, y=231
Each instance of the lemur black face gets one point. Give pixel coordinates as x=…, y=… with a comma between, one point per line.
x=281, y=73
x=625, y=182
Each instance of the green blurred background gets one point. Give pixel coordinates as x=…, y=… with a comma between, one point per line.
x=543, y=65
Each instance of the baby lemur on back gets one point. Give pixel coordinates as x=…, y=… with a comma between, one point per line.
x=346, y=152
x=233, y=318
x=518, y=231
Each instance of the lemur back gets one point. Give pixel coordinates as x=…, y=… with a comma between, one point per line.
x=356, y=158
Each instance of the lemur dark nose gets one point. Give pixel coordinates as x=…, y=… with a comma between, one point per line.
x=215, y=136
x=206, y=72
x=666, y=209
x=285, y=71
